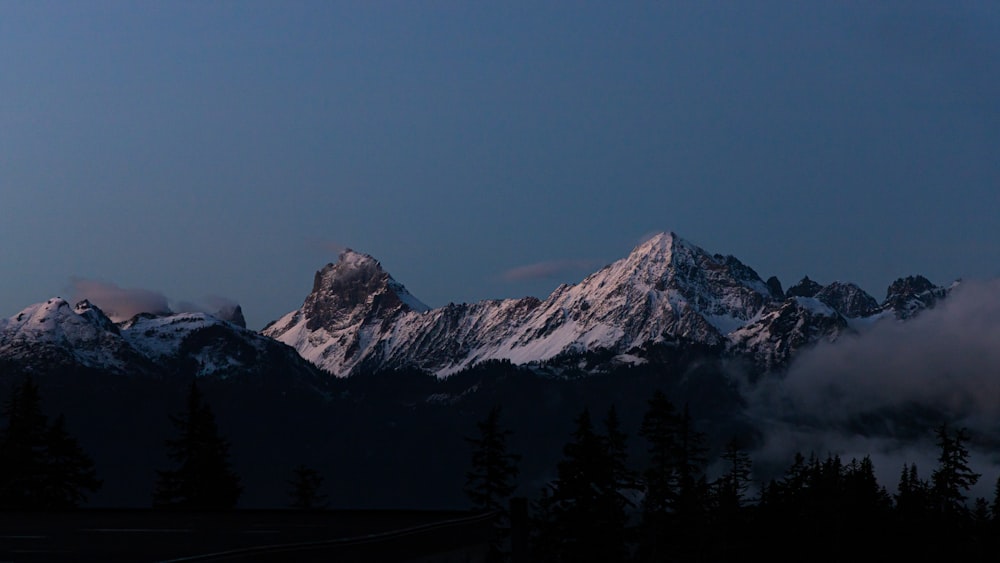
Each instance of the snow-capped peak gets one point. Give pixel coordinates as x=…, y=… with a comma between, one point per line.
x=666, y=292
x=666, y=288
x=63, y=334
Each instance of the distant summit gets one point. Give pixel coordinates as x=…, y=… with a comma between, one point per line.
x=53, y=337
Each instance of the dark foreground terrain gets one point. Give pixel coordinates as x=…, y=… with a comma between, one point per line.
x=243, y=535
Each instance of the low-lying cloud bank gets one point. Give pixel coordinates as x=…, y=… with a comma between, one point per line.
x=883, y=392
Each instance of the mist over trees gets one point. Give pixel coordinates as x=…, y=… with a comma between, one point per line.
x=600, y=507
x=650, y=487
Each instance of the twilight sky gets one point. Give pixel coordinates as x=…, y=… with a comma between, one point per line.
x=199, y=152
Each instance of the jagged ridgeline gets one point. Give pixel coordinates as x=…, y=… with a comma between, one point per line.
x=668, y=293
x=367, y=384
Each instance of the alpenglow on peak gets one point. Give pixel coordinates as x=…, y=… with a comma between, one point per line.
x=666, y=295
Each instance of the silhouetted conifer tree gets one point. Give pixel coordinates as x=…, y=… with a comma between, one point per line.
x=995, y=506
x=691, y=459
x=616, y=442
x=70, y=471
x=203, y=478
x=585, y=517
x=676, y=486
x=305, y=489
x=731, y=487
x=912, y=496
x=659, y=429
x=864, y=497
x=953, y=477
x=981, y=512
x=492, y=479
x=730, y=519
x=42, y=467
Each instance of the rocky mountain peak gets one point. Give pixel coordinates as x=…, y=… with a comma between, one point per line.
x=805, y=288
x=848, y=299
x=352, y=289
x=910, y=285
x=232, y=314
x=666, y=260
x=651, y=259
x=910, y=295
x=774, y=284
x=95, y=315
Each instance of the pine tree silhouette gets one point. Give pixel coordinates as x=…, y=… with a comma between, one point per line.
x=659, y=428
x=70, y=471
x=492, y=479
x=42, y=467
x=583, y=505
x=731, y=487
x=203, y=478
x=305, y=489
x=953, y=477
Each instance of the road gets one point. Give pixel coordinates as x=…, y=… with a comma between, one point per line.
x=138, y=536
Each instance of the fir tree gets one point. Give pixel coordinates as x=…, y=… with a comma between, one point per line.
x=305, y=489
x=585, y=516
x=22, y=449
x=981, y=512
x=995, y=505
x=863, y=496
x=691, y=459
x=70, y=471
x=659, y=428
x=728, y=496
x=731, y=488
x=623, y=480
x=953, y=477
x=492, y=478
x=203, y=478
x=42, y=467
x=912, y=495
x=616, y=443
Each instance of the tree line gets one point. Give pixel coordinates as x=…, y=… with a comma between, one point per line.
x=599, y=508
x=43, y=467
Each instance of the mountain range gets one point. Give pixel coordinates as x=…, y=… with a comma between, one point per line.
x=667, y=294
x=367, y=383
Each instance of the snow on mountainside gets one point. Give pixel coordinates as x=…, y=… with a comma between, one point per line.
x=56, y=333
x=666, y=294
x=665, y=291
x=53, y=336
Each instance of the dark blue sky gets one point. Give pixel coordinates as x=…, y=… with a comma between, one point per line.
x=489, y=150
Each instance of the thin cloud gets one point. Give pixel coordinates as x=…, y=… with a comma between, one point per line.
x=210, y=304
x=327, y=246
x=549, y=269
x=119, y=303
